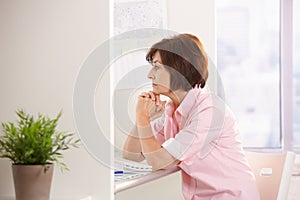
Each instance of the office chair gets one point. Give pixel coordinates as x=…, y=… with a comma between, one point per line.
x=273, y=173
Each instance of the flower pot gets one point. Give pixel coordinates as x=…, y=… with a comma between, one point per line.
x=31, y=182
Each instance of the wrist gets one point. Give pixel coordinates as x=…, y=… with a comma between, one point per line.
x=142, y=120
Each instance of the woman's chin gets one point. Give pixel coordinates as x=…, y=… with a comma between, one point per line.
x=155, y=91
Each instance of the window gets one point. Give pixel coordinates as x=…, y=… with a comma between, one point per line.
x=296, y=72
x=248, y=60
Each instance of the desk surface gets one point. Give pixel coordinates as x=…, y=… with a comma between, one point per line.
x=127, y=184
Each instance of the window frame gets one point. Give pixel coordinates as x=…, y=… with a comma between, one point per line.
x=286, y=74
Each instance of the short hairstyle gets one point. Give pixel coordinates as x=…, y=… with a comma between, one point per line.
x=185, y=58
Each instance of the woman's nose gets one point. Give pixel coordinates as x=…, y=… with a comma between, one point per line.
x=150, y=74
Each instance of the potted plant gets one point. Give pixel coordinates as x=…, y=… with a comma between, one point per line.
x=33, y=145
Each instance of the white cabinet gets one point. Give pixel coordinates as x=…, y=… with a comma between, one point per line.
x=165, y=188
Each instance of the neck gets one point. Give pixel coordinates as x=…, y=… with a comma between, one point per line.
x=177, y=97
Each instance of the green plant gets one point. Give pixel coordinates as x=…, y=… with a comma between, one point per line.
x=32, y=141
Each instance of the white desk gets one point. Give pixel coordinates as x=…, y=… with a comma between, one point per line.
x=127, y=184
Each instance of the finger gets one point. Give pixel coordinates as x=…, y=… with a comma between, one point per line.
x=157, y=99
x=152, y=95
x=145, y=95
x=144, y=98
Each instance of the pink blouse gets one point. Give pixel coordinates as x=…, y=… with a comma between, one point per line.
x=202, y=134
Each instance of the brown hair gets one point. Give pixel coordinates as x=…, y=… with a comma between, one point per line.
x=183, y=54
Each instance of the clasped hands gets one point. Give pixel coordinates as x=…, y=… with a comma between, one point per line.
x=149, y=107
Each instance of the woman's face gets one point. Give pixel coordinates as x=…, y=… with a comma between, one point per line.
x=159, y=75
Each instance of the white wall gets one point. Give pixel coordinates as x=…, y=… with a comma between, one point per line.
x=196, y=17
x=42, y=45
x=166, y=188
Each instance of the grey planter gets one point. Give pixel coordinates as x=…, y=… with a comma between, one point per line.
x=31, y=183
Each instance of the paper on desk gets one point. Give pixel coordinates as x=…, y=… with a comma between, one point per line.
x=131, y=166
x=129, y=176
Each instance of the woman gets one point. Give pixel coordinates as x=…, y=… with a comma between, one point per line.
x=196, y=131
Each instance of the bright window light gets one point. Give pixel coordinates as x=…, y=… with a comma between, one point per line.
x=248, y=60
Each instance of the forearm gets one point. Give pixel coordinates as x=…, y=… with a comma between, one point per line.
x=132, y=148
x=155, y=155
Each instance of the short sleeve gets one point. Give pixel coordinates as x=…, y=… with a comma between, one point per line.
x=199, y=135
x=158, y=129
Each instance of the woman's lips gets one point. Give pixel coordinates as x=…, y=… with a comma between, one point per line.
x=153, y=84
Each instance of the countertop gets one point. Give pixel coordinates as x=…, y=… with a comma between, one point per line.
x=130, y=183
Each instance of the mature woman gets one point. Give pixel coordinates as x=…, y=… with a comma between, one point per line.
x=196, y=131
